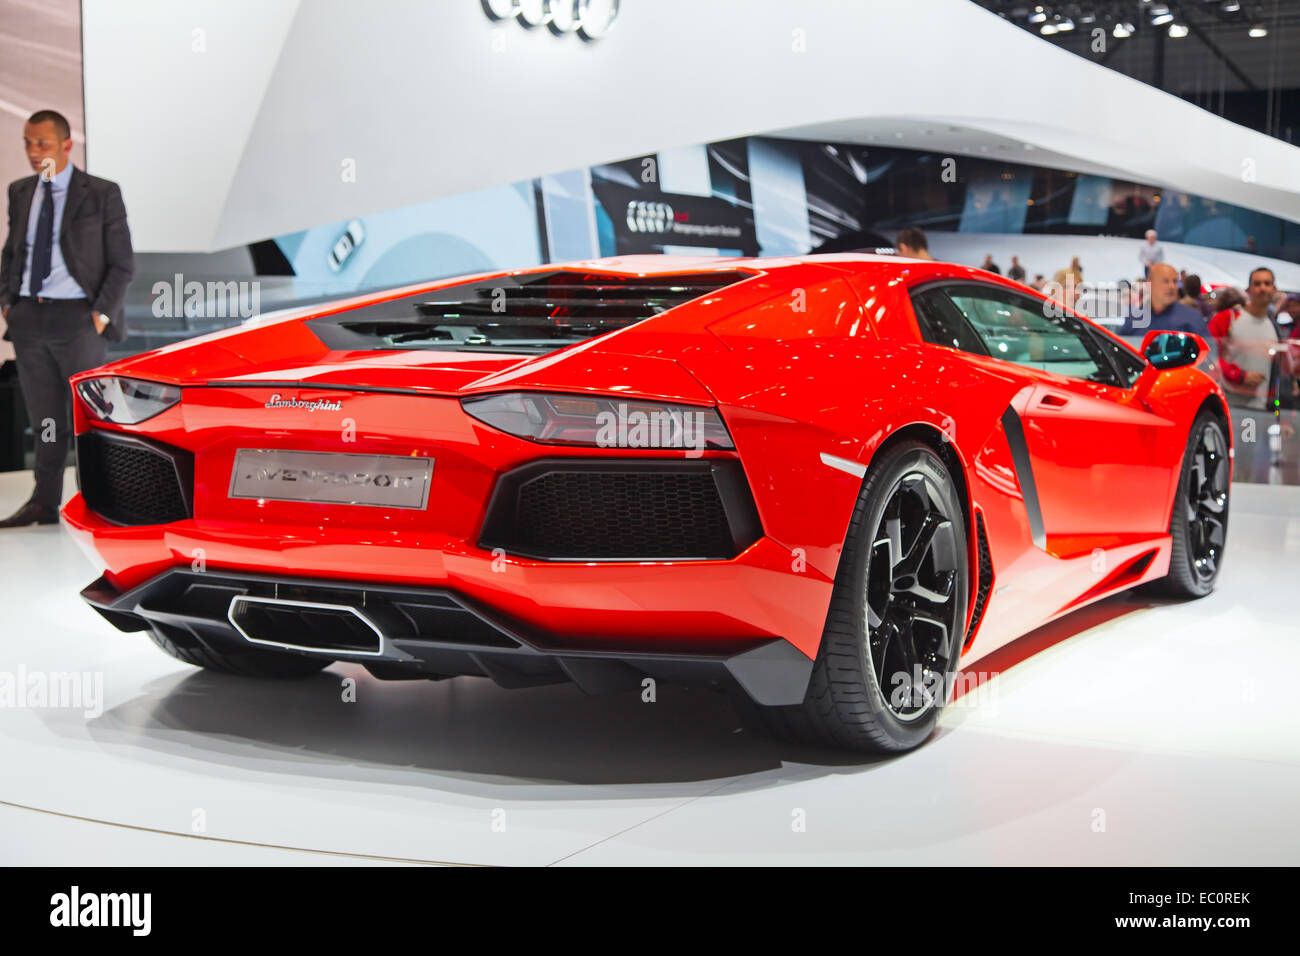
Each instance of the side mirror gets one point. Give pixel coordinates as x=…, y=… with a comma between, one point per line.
x=1173, y=349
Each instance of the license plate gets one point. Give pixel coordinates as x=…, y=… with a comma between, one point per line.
x=376, y=481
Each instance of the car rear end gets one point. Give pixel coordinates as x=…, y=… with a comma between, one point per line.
x=431, y=513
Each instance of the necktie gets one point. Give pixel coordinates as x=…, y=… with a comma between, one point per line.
x=43, y=249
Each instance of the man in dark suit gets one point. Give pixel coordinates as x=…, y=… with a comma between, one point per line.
x=64, y=270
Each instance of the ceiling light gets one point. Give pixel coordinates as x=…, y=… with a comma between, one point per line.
x=1065, y=25
x=1177, y=31
x=1038, y=16
x=1049, y=29
x=1258, y=30
x=1123, y=30
x=1232, y=6
x=1161, y=19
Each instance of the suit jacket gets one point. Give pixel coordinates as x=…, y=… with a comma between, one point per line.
x=93, y=237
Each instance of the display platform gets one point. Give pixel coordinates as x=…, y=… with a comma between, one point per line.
x=1133, y=732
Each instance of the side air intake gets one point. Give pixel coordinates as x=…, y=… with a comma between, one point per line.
x=985, y=580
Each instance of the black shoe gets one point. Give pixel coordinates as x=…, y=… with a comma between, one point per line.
x=31, y=513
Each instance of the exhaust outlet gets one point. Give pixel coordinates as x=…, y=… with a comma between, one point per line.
x=316, y=628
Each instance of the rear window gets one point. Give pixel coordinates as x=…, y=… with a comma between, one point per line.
x=532, y=313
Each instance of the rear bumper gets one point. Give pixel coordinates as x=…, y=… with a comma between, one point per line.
x=712, y=606
x=770, y=579
x=433, y=633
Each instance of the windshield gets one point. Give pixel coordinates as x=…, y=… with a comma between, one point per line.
x=532, y=313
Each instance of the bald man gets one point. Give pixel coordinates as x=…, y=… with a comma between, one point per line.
x=1162, y=310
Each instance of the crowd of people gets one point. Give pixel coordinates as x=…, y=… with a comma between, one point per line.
x=1249, y=327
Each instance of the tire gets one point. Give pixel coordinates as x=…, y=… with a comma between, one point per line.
x=858, y=695
x=249, y=663
x=1198, y=523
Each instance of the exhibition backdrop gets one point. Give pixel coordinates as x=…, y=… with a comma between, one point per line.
x=40, y=68
x=228, y=121
x=761, y=196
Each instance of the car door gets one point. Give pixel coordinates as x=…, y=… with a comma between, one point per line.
x=1088, y=438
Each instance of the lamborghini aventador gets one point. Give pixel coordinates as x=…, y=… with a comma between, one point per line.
x=818, y=482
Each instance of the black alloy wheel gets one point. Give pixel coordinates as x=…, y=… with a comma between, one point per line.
x=1207, y=502
x=911, y=609
x=895, y=627
x=1199, y=523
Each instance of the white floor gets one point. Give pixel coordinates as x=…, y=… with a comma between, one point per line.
x=1141, y=735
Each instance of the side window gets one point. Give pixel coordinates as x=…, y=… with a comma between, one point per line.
x=1129, y=365
x=942, y=324
x=1017, y=329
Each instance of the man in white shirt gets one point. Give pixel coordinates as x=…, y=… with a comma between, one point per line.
x=1246, y=335
x=1150, y=252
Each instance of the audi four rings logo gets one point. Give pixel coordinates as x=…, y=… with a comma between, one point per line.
x=590, y=19
x=645, y=216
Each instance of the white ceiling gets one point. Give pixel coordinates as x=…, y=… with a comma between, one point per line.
x=251, y=137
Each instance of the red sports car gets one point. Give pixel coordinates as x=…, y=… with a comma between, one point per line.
x=818, y=481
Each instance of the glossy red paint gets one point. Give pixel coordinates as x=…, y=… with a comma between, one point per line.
x=806, y=358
